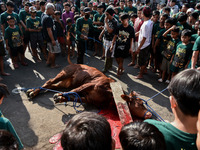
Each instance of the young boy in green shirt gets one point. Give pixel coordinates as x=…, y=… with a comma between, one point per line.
x=182, y=54
x=168, y=51
x=184, y=98
x=34, y=27
x=14, y=42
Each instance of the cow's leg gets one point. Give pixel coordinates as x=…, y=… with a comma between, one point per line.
x=59, y=81
x=85, y=88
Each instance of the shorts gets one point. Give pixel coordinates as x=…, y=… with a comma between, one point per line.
x=135, y=46
x=61, y=40
x=36, y=38
x=26, y=37
x=144, y=56
x=54, y=49
x=165, y=65
x=107, y=45
x=16, y=50
x=2, y=49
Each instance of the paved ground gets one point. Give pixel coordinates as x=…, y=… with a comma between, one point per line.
x=37, y=120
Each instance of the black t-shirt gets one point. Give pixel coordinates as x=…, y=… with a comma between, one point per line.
x=113, y=25
x=47, y=22
x=125, y=34
x=60, y=32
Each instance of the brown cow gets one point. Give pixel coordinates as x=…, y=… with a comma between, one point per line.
x=92, y=86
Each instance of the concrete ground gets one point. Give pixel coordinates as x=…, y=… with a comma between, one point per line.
x=39, y=119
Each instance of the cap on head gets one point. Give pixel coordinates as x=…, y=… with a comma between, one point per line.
x=87, y=10
x=32, y=9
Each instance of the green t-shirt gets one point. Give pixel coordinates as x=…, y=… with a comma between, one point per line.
x=83, y=27
x=130, y=10
x=182, y=56
x=175, y=139
x=39, y=13
x=23, y=16
x=33, y=23
x=170, y=49
x=119, y=10
x=96, y=18
x=163, y=40
x=156, y=30
x=5, y=124
x=93, y=12
x=4, y=18
x=196, y=46
x=13, y=36
x=194, y=37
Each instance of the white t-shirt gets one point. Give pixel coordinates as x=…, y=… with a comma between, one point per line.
x=146, y=31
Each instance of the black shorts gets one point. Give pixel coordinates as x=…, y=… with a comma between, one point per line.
x=26, y=37
x=2, y=49
x=36, y=38
x=144, y=56
x=16, y=50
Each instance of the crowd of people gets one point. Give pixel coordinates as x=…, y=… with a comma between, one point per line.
x=163, y=37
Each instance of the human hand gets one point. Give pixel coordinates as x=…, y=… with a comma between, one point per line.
x=53, y=43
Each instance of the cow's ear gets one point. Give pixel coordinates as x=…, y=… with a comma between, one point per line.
x=126, y=98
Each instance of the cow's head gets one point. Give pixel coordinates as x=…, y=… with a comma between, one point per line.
x=136, y=106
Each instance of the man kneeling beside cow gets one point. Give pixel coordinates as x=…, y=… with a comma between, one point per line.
x=92, y=86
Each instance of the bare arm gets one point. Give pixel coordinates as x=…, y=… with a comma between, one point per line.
x=141, y=44
x=194, y=59
x=3, y=29
x=170, y=29
x=50, y=33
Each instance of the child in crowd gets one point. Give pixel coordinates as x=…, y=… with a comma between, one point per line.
x=124, y=37
x=183, y=53
x=87, y=130
x=14, y=42
x=184, y=99
x=144, y=41
x=70, y=36
x=96, y=22
x=60, y=31
x=108, y=32
x=141, y=136
x=168, y=52
x=137, y=25
x=162, y=42
x=34, y=27
x=182, y=22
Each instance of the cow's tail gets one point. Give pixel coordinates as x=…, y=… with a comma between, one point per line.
x=68, y=59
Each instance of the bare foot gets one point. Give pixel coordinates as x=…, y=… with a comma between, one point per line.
x=5, y=74
x=95, y=54
x=138, y=77
x=131, y=64
x=55, y=66
x=39, y=60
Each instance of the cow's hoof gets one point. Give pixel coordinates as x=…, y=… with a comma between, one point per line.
x=58, y=98
x=30, y=93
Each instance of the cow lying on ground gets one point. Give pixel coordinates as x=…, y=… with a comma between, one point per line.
x=92, y=86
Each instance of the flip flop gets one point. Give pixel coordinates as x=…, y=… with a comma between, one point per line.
x=138, y=77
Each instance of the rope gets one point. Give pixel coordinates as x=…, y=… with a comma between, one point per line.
x=77, y=97
x=149, y=108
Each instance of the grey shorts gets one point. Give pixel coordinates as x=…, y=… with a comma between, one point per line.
x=165, y=65
x=144, y=56
x=53, y=49
x=36, y=38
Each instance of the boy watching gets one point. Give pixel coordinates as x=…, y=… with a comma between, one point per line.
x=168, y=51
x=161, y=42
x=184, y=98
x=183, y=53
x=87, y=130
x=42, y=9
x=182, y=22
x=34, y=27
x=130, y=9
x=70, y=36
x=14, y=42
x=144, y=41
x=60, y=31
x=141, y=136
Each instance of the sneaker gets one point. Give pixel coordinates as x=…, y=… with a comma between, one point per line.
x=167, y=81
x=160, y=80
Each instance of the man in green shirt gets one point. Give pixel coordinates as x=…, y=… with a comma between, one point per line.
x=23, y=16
x=184, y=98
x=130, y=9
x=83, y=26
x=195, y=54
x=42, y=9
